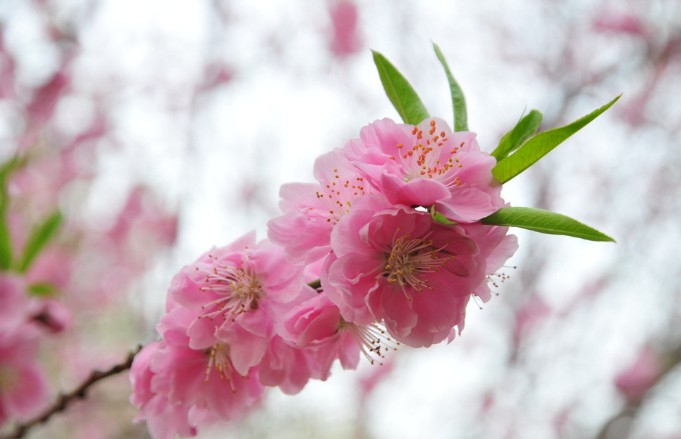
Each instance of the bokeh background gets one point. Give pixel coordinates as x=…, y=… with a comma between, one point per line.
x=163, y=128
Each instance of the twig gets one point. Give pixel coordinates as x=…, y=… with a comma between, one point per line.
x=65, y=399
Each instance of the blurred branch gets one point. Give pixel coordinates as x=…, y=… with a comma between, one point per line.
x=65, y=399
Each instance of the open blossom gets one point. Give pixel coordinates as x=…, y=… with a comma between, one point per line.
x=164, y=419
x=399, y=267
x=237, y=293
x=318, y=327
x=428, y=165
x=311, y=210
x=496, y=246
x=179, y=389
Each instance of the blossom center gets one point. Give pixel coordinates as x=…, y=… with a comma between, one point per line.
x=408, y=258
x=218, y=360
x=338, y=193
x=238, y=289
x=432, y=156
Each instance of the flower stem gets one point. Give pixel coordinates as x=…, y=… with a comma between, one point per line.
x=65, y=399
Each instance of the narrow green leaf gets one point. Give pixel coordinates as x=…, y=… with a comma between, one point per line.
x=544, y=221
x=400, y=92
x=42, y=289
x=540, y=145
x=5, y=238
x=40, y=235
x=458, y=99
x=525, y=127
x=5, y=242
x=440, y=218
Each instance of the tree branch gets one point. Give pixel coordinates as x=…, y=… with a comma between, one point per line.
x=65, y=399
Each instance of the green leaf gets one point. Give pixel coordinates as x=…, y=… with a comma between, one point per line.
x=544, y=221
x=42, y=289
x=525, y=127
x=5, y=247
x=440, y=218
x=40, y=235
x=458, y=99
x=400, y=92
x=540, y=145
x=5, y=239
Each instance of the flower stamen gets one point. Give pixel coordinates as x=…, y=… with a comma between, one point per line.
x=410, y=257
x=239, y=289
x=372, y=339
x=218, y=360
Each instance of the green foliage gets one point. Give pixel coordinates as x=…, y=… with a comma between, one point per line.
x=39, y=237
x=538, y=146
x=544, y=221
x=525, y=128
x=458, y=99
x=440, y=218
x=400, y=92
x=5, y=239
x=42, y=289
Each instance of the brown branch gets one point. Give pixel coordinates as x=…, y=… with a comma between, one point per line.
x=65, y=399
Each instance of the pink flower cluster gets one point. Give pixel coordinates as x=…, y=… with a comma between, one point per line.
x=23, y=322
x=356, y=265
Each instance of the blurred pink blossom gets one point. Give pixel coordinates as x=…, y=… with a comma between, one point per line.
x=23, y=387
x=621, y=23
x=375, y=376
x=14, y=303
x=528, y=316
x=345, y=39
x=640, y=375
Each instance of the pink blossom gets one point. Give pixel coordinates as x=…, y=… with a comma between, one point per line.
x=14, y=303
x=312, y=209
x=344, y=37
x=45, y=98
x=621, y=23
x=496, y=246
x=237, y=293
x=428, y=165
x=189, y=388
x=527, y=317
x=639, y=376
x=164, y=419
x=317, y=326
x=23, y=387
x=205, y=378
x=399, y=267
x=285, y=366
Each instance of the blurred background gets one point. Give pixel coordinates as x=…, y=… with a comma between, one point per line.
x=162, y=128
